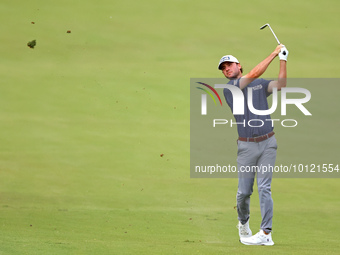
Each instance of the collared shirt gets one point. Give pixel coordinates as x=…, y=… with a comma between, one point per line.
x=250, y=124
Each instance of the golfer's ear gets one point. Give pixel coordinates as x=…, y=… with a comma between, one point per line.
x=240, y=67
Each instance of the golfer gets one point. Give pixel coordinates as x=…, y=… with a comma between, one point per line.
x=256, y=143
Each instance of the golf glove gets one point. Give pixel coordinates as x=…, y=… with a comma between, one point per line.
x=283, y=55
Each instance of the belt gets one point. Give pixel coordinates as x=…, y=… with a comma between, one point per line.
x=256, y=139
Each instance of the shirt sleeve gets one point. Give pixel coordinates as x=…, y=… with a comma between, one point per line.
x=265, y=84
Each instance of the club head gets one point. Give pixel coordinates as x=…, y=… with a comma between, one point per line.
x=265, y=25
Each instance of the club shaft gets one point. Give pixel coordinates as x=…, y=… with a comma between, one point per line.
x=274, y=34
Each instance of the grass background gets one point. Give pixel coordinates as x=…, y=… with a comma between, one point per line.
x=86, y=115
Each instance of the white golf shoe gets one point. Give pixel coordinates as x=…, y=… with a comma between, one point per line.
x=259, y=238
x=244, y=230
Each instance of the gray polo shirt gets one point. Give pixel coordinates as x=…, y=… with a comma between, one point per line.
x=259, y=124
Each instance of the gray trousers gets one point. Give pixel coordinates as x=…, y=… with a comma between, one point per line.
x=252, y=156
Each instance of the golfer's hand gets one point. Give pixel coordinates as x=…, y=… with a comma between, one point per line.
x=278, y=49
x=283, y=55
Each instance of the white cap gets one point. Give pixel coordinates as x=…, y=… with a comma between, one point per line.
x=227, y=58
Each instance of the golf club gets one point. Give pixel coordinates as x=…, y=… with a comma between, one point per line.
x=267, y=25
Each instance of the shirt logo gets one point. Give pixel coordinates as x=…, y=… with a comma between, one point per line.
x=257, y=87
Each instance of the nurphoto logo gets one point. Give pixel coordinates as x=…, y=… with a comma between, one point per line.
x=239, y=103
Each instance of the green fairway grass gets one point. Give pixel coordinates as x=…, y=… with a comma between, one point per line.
x=95, y=126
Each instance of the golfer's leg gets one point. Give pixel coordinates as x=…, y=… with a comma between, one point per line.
x=264, y=180
x=245, y=158
x=244, y=191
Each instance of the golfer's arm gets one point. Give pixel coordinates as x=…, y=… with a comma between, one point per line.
x=282, y=79
x=257, y=71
